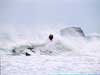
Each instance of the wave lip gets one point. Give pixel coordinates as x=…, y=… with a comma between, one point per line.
x=72, y=31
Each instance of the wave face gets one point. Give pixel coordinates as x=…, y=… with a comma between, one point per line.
x=67, y=41
x=72, y=31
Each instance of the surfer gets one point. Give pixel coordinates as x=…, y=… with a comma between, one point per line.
x=51, y=37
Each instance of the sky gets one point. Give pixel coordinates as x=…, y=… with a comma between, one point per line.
x=82, y=13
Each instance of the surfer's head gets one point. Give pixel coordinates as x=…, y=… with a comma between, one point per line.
x=51, y=37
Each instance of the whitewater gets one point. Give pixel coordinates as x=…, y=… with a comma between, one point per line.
x=70, y=52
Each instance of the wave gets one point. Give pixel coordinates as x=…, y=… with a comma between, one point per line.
x=67, y=41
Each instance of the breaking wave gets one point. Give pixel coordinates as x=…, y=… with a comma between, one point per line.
x=67, y=41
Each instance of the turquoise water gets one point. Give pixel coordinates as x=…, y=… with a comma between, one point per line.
x=74, y=74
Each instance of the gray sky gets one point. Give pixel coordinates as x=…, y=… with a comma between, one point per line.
x=84, y=13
